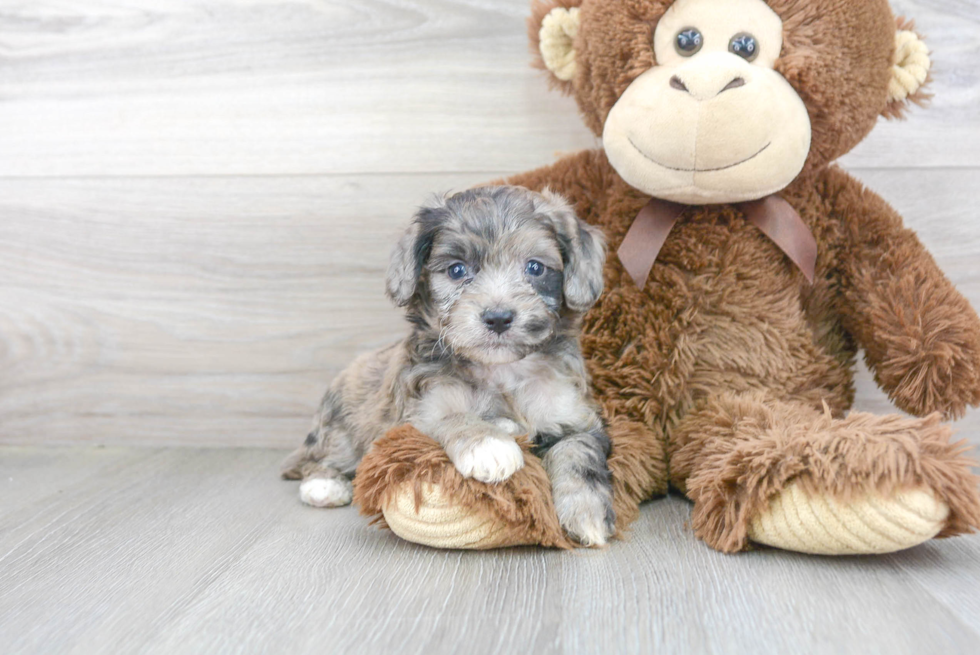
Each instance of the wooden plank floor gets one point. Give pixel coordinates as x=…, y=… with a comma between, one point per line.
x=118, y=550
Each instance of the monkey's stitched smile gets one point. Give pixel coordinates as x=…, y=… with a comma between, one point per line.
x=697, y=170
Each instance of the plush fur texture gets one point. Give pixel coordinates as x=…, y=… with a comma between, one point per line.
x=405, y=456
x=726, y=314
x=522, y=505
x=614, y=48
x=734, y=453
x=728, y=376
x=494, y=281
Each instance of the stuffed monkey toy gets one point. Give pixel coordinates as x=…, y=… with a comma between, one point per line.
x=748, y=271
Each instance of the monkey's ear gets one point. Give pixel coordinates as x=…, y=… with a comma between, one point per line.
x=910, y=71
x=410, y=254
x=552, y=29
x=583, y=252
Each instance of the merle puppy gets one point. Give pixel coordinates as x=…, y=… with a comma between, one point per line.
x=494, y=281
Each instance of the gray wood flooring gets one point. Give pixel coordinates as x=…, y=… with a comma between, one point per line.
x=116, y=550
x=197, y=198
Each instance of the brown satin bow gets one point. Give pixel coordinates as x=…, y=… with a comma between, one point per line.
x=774, y=216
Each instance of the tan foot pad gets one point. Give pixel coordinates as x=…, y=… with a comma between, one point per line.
x=442, y=524
x=820, y=525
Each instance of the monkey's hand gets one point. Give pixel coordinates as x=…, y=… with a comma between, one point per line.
x=920, y=336
x=927, y=346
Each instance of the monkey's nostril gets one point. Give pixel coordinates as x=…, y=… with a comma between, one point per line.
x=734, y=84
x=498, y=321
x=675, y=83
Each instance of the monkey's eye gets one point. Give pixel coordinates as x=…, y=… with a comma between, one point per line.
x=688, y=41
x=456, y=271
x=744, y=45
x=534, y=268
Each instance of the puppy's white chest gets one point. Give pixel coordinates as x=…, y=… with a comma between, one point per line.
x=541, y=398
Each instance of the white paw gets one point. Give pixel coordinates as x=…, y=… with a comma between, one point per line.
x=326, y=492
x=587, y=517
x=490, y=460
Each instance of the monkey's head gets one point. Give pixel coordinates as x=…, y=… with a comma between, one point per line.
x=716, y=101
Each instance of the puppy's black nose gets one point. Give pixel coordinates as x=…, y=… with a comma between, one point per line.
x=498, y=320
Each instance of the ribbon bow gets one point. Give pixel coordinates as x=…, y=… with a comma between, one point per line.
x=774, y=216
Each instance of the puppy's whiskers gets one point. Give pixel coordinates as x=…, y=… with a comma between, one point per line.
x=440, y=343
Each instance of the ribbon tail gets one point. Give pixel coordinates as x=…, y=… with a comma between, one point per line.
x=777, y=219
x=646, y=237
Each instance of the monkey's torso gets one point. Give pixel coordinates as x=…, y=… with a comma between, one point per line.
x=724, y=311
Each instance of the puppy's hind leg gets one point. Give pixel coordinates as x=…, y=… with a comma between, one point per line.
x=324, y=463
x=582, y=485
x=328, y=457
x=292, y=467
x=326, y=488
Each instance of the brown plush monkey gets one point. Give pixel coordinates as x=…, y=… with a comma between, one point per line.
x=723, y=369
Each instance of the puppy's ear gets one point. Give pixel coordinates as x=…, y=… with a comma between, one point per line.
x=410, y=254
x=583, y=251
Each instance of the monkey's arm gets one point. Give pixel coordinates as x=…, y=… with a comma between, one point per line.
x=920, y=335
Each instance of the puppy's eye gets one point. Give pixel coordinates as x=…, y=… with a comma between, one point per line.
x=456, y=271
x=744, y=45
x=534, y=268
x=688, y=41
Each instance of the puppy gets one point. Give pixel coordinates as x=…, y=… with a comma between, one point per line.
x=494, y=281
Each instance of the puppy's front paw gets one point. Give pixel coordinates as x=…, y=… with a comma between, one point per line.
x=326, y=492
x=587, y=516
x=490, y=459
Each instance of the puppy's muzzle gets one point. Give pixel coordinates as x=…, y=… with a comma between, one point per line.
x=498, y=320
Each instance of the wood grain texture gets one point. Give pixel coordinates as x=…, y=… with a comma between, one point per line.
x=182, y=550
x=221, y=87
x=214, y=311
x=209, y=301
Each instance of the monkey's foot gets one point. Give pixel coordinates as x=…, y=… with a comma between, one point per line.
x=813, y=523
x=440, y=522
x=407, y=480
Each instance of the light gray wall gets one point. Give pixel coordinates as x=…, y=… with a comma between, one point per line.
x=197, y=198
